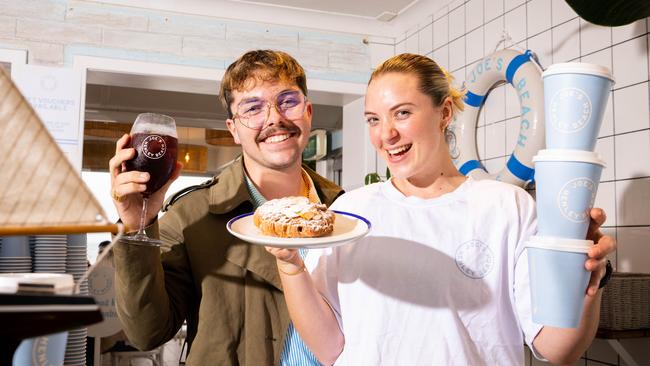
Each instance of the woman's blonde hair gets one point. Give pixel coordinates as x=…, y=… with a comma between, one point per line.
x=434, y=80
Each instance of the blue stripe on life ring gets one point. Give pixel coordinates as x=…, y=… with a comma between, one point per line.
x=470, y=165
x=474, y=100
x=515, y=64
x=519, y=170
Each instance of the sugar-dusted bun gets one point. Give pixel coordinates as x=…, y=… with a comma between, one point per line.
x=294, y=217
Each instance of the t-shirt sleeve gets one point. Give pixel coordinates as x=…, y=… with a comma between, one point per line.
x=322, y=264
x=527, y=228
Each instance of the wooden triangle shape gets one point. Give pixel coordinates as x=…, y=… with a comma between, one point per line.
x=40, y=191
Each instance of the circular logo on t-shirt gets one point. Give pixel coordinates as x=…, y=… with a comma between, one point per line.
x=474, y=258
x=570, y=110
x=154, y=147
x=575, y=198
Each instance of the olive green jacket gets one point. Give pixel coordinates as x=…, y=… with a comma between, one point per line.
x=228, y=290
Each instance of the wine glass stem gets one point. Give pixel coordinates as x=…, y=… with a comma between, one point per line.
x=142, y=217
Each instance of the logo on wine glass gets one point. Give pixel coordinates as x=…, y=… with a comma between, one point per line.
x=154, y=147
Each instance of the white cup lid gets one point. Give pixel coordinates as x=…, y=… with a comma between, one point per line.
x=562, y=244
x=578, y=68
x=580, y=156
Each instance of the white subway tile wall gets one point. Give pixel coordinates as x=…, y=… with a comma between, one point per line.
x=632, y=202
x=594, y=37
x=457, y=22
x=516, y=24
x=441, y=55
x=474, y=45
x=457, y=55
x=412, y=43
x=630, y=62
x=492, y=33
x=605, y=147
x=426, y=39
x=538, y=14
x=552, y=30
x=632, y=113
x=473, y=15
x=566, y=41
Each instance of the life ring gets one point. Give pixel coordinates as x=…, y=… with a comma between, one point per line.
x=519, y=70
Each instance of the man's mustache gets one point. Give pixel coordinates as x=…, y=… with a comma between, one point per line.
x=274, y=130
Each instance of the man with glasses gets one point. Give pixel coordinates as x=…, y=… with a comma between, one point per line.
x=228, y=290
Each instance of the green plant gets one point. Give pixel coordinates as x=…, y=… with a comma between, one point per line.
x=611, y=13
x=375, y=177
x=372, y=178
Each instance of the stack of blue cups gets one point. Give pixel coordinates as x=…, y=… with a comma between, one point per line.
x=567, y=174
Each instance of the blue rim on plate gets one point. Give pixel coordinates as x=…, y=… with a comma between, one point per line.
x=347, y=228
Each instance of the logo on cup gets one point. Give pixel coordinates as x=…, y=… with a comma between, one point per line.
x=474, y=259
x=575, y=197
x=154, y=147
x=570, y=110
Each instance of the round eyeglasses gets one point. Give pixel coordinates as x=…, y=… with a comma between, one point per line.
x=254, y=112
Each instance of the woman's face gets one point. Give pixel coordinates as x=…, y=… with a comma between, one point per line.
x=405, y=127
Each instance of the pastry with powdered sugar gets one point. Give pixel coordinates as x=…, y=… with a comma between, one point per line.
x=294, y=217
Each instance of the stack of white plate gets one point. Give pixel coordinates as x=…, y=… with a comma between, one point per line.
x=75, y=351
x=49, y=252
x=15, y=255
x=77, y=265
x=77, y=259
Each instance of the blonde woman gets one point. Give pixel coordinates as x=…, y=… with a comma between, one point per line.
x=442, y=279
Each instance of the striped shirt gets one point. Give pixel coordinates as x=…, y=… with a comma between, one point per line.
x=295, y=351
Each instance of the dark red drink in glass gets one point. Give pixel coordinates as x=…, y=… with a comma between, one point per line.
x=155, y=140
x=155, y=154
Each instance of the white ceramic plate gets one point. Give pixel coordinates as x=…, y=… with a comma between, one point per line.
x=347, y=227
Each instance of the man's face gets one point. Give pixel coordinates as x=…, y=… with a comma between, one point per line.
x=275, y=142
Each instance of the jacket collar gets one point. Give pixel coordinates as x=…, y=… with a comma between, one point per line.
x=230, y=192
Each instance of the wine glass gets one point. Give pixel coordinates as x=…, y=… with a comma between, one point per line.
x=154, y=138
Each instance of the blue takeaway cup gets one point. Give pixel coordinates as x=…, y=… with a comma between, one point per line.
x=575, y=98
x=558, y=280
x=46, y=350
x=566, y=182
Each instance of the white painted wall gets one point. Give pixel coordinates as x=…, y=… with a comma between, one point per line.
x=359, y=156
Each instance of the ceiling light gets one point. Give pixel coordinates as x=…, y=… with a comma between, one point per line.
x=386, y=16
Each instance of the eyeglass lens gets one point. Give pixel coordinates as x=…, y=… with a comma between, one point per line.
x=254, y=112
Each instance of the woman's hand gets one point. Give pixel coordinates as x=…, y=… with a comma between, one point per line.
x=288, y=260
x=603, y=245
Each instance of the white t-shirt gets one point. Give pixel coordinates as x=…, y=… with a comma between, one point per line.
x=439, y=281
